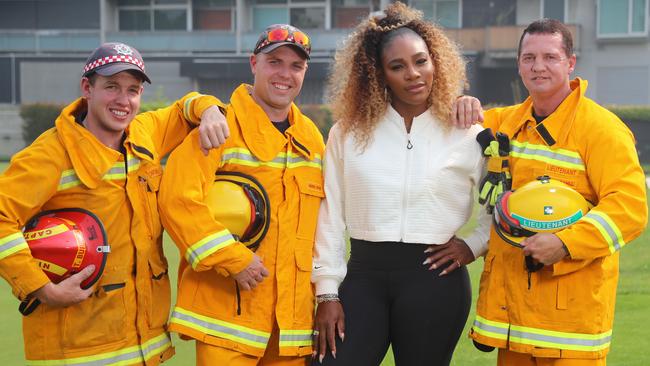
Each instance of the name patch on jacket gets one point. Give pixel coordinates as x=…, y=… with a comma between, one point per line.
x=561, y=170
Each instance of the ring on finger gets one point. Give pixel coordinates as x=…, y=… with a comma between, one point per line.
x=316, y=333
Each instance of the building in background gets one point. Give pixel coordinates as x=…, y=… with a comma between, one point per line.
x=205, y=44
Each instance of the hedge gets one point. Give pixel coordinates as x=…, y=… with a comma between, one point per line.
x=40, y=116
x=37, y=118
x=631, y=113
x=321, y=115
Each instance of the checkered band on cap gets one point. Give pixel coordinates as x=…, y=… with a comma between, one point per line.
x=112, y=59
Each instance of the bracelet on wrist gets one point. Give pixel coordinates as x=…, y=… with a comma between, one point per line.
x=327, y=298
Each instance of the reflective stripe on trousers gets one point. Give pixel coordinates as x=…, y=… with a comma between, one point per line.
x=542, y=337
x=126, y=356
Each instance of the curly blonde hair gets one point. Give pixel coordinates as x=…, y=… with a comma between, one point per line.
x=357, y=86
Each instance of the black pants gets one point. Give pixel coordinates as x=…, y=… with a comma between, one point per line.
x=389, y=297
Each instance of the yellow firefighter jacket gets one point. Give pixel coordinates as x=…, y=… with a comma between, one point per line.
x=209, y=307
x=67, y=166
x=568, y=310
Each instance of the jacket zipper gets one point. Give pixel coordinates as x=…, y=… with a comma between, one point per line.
x=409, y=147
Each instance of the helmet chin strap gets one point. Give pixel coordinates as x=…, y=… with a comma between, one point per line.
x=503, y=236
x=27, y=306
x=531, y=264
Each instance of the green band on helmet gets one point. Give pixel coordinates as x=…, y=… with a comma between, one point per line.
x=548, y=225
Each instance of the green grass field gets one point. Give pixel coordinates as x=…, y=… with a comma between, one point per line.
x=629, y=344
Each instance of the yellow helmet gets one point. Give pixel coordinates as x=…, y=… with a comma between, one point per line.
x=541, y=206
x=241, y=204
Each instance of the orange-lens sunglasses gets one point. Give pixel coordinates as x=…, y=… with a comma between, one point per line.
x=283, y=34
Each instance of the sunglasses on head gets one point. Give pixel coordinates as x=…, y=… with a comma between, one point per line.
x=287, y=35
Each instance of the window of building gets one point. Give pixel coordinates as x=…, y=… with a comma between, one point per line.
x=348, y=13
x=482, y=13
x=153, y=15
x=304, y=14
x=622, y=18
x=213, y=14
x=554, y=9
x=307, y=17
x=33, y=14
x=131, y=20
x=446, y=12
x=263, y=17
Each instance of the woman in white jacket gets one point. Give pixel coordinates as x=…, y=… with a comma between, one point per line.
x=399, y=181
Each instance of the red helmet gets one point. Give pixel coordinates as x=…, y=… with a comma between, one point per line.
x=66, y=241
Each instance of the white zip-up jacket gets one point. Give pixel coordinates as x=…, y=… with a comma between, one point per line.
x=412, y=187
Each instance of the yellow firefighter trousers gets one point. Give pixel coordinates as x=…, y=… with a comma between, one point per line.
x=510, y=358
x=209, y=355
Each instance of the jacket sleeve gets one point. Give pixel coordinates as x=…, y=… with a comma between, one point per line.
x=492, y=119
x=621, y=211
x=30, y=180
x=477, y=240
x=329, y=265
x=168, y=126
x=203, y=242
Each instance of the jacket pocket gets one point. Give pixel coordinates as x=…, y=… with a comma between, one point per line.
x=492, y=298
x=311, y=194
x=100, y=319
x=215, y=296
x=487, y=266
x=562, y=299
x=486, y=277
x=149, y=178
x=160, y=300
x=304, y=292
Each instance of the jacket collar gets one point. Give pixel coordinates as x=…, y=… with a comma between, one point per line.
x=90, y=158
x=558, y=124
x=140, y=142
x=261, y=137
x=423, y=120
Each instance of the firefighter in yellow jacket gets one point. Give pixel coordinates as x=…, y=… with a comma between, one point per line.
x=101, y=157
x=244, y=307
x=562, y=314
